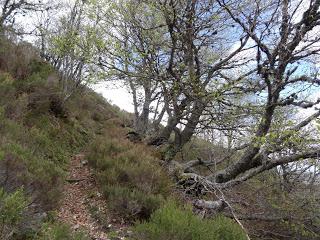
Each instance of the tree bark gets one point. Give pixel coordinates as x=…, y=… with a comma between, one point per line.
x=183, y=137
x=142, y=123
x=250, y=158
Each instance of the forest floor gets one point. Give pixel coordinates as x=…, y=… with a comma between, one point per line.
x=83, y=206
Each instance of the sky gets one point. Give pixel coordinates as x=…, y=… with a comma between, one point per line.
x=116, y=95
x=119, y=96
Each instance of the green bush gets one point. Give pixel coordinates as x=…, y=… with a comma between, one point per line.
x=7, y=90
x=174, y=223
x=12, y=207
x=29, y=170
x=59, y=231
x=36, y=78
x=132, y=180
x=120, y=162
x=131, y=203
x=16, y=58
x=38, y=136
x=36, y=149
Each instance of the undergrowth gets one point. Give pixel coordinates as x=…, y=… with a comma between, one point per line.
x=36, y=142
x=177, y=223
x=129, y=175
x=58, y=231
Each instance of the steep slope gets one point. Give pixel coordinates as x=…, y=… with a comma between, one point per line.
x=39, y=137
x=45, y=190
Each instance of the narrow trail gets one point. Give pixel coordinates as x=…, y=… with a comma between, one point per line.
x=80, y=195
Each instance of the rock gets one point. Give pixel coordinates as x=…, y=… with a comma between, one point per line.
x=84, y=162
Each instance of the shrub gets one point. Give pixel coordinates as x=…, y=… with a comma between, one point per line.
x=7, y=90
x=131, y=203
x=131, y=178
x=124, y=163
x=41, y=177
x=16, y=58
x=59, y=231
x=12, y=207
x=37, y=77
x=38, y=136
x=174, y=223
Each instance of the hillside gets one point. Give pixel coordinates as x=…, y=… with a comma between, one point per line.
x=223, y=140
x=45, y=149
x=70, y=171
x=37, y=138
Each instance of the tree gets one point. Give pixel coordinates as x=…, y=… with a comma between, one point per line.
x=69, y=45
x=278, y=67
x=130, y=54
x=10, y=9
x=193, y=64
x=168, y=50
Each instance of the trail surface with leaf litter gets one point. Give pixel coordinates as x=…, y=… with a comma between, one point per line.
x=80, y=195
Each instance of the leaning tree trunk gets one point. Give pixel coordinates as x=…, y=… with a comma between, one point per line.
x=251, y=157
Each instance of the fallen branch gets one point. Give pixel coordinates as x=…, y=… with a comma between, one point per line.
x=217, y=205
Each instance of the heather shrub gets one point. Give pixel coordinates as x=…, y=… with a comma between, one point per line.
x=122, y=162
x=41, y=177
x=131, y=203
x=36, y=79
x=7, y=90
x=176, y=223
x=12, y=208
x=59, y=231
x=132, y=180
x=16, y=58
x=39, y=134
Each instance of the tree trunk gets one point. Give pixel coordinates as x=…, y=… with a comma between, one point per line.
x=142, y=124
x=165, y=132
x=181, y=138
x=156, y=122
x=250, y=158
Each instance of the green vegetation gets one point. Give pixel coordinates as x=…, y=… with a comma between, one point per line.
x=219, y=89
x=130, y=176
x=37, y=139
x=55, y=231
x=12, y=207
x=35, y=144
x=174, y=223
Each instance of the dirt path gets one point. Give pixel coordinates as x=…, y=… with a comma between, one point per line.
x=80, y=195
